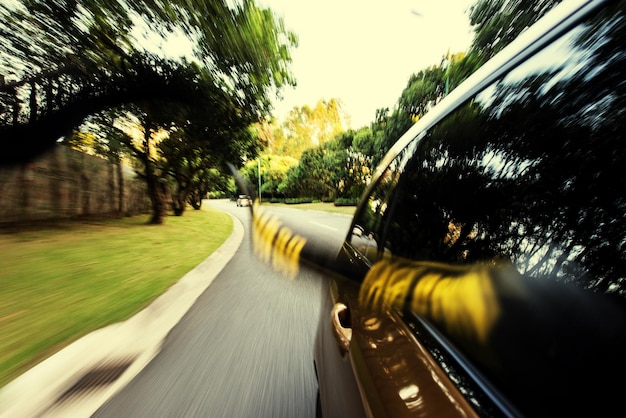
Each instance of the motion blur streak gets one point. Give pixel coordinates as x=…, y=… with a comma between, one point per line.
x=463, y=299
x=275, y=243
x=493, y=312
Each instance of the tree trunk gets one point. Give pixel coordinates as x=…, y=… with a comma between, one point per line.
x=195, y=199
x=156, y=185
x=120, y=186
x=111, y=207
x=179, y=205
x=156, y=192
x=180, y=201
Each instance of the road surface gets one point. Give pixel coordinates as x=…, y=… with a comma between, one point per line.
x=245, y=348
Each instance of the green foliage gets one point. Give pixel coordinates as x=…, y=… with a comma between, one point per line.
x=422, y=91
x=298, y=200
x=461, y=67
x=364, y=142
x=307, y=127
x=274, y=170
x=86, y=57
x=498, y=22
x=383, y=135
x=62, y=61
x=329, y=171
x=298, y=133
x=346, y=201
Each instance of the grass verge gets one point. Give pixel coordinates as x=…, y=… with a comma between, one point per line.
x=58, y=284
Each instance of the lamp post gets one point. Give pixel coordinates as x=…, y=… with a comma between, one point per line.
x=259, y=160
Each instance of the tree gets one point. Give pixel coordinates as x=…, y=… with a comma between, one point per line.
x=386, y=135
x=461, y=66
x=153, y=127
x=307, y=127
x=298, y=132
x=329, y=171
x=273, y=173
x=191, y=155
x=99, y=136
x=328, y=120
x=187, y=165
x=423, y=90
x=364, y=142
x=62, y=61
x=497, y=23
x=215, y=183
x=313, y=174
x=356, y=169
x=273, y=177
x=86, y=60
x=193, y=140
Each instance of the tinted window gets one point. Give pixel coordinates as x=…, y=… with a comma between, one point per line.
x=372, y=220
x=530, y=170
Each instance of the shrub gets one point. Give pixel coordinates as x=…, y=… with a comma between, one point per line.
x=346, y=201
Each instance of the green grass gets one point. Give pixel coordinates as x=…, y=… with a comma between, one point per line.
x=326, y=207
x=59, y=283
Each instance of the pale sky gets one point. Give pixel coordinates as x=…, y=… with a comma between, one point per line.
x=363, y=51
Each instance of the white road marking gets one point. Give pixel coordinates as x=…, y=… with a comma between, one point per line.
x=322, y=225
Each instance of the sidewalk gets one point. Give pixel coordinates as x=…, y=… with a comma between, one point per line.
x=79, y=379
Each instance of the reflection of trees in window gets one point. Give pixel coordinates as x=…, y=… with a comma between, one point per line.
x=532, y=169
x=373, y=216
x=428, y=204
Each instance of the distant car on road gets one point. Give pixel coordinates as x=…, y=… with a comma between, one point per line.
x=244, y=200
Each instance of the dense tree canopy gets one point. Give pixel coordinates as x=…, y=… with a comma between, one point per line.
x=63, y=60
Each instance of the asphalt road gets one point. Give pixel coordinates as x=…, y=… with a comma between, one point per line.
x=245, y=348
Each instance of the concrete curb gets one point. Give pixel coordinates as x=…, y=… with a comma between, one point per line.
x=40, y=391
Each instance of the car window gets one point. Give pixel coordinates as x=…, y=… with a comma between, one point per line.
x=368, y=226
x=530, y=170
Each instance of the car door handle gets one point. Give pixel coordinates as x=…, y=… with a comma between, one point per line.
x=343, y=333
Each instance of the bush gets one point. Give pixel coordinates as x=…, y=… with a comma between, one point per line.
x=346, y=201
x=297, y=200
